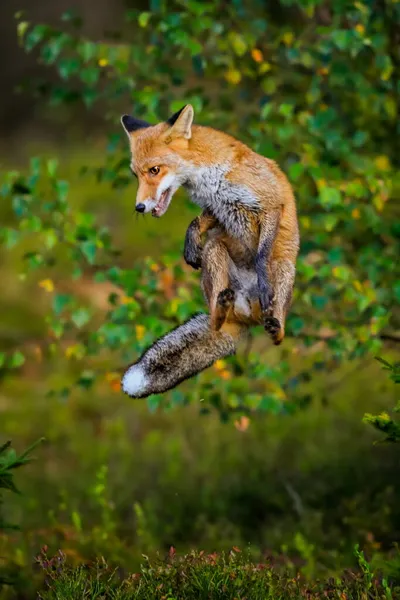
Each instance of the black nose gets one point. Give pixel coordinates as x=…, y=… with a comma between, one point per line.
x=140, y=207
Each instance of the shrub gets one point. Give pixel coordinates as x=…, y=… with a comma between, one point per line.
x=384, y=422
x=311, y=86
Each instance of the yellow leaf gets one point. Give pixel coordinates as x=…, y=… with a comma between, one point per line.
x=154, y=267
x=70, y=351
x=360, y=28
x=47, y=285
x=103, y=62
x=265, y=67
x=112, y=376
x=76, y=351
x=140, y=331
x=257, y=55
x=219, y=365
x=238, y=43
x=174, y=306
x=385, y=417
x=382, y=163
x=321, y=183
x=280, y=394
x=357, y=285
x=288, y=38
x=233, y=76
x=125, y=299
x=355, y=213
x=379, y=203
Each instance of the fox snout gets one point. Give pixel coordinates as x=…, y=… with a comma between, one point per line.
x=156, y=197
x=157, y=206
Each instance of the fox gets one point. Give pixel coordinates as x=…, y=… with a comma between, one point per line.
x=245, y=241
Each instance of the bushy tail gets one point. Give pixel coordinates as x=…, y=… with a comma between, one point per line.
x=181, y=353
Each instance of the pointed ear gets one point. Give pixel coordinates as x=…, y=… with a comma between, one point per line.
x=131, y=124
x=181, y=123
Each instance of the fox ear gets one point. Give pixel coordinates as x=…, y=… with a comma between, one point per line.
x=181, y=123
x=131, y=124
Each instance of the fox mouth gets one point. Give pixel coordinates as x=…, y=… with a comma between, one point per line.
x=162, y=205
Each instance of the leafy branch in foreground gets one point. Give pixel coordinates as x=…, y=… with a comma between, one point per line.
x=384, y=422
x=9, y=461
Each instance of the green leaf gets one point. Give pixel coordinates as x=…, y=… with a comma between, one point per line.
x=62, y=188
x=330, y=197
x=89, y=249
x=295, y=171
x=80, y=317
x=90, y=75
x=296, y=325
x=87, y=50
x=153, y=402
x=86, y=379
x=52, y=166
x=17, y=359
x=144, y=19
x=61, y=301
x=22, y=28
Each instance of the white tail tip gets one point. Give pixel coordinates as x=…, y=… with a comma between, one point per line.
x=134, y=381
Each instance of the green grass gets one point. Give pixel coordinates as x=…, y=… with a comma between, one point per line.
x=204, y=577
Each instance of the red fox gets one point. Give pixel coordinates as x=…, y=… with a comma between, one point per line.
x=248, y=259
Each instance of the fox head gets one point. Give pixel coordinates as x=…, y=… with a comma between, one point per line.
x=159, y=158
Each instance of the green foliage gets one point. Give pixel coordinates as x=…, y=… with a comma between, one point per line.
x=202, y=576
x=383, y=422
x=9, y=461
x=315, y=88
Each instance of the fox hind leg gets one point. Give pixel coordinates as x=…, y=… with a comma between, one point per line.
x=282, y=278
x=215, y=281
x=225, y=301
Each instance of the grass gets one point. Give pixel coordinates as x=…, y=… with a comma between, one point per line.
x=201, y=576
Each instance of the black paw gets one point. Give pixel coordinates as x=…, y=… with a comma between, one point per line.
x=192, y=256
x=272, y=326
x=195, y=265
x=226, y=297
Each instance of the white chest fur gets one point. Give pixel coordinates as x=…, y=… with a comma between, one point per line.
x=230, y=203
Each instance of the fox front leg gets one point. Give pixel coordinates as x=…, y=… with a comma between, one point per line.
x=193, y=248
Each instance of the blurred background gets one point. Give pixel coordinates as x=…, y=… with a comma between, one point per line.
x=270, y=449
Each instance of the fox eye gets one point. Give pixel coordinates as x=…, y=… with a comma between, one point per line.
x=154, y=170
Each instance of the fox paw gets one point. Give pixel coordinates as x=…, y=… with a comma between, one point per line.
x=273, y=327
x=266, y=299
x=192, y=256
x=226, y=297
